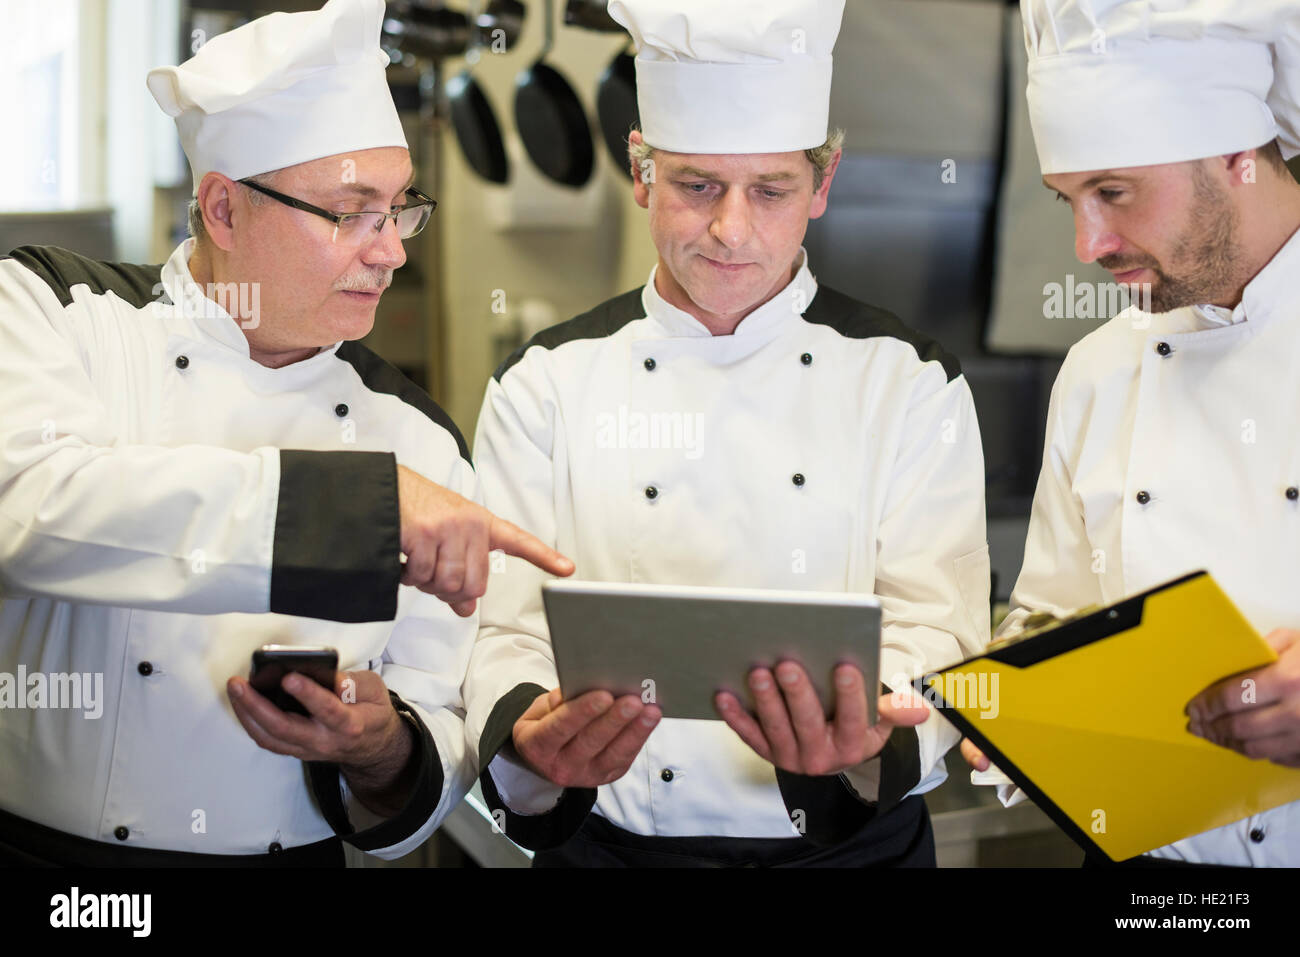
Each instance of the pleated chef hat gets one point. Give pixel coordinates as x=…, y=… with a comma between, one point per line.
x=1117, y=83
x=732, y=76
x=284, y=89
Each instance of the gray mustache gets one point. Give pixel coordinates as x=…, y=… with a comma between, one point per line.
x=365, y=283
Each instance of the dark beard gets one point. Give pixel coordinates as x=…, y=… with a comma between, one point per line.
x=1209, y=244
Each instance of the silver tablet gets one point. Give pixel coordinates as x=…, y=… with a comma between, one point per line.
x=677, y=645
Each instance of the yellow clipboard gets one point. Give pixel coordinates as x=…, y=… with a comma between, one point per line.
x=1087, y=718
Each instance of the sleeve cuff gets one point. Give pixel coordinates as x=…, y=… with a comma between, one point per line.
x=346, y=567
x=537, y=832
x=327, y=785
x=519, y=787
x=1008, y=792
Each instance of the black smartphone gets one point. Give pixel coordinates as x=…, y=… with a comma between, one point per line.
x=272, y=662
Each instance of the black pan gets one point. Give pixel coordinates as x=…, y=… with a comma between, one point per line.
x=616, y=107
x=551, y=120
x=426, y=32
x=500, y=24
x=592, y=15
x=475, y=122
x=476, y=129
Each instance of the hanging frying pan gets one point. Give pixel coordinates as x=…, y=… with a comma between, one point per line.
x=592, y=15
x=551, y=120
x=616, y=107
x=427, y=32
x=500, y=24
x=473, y=118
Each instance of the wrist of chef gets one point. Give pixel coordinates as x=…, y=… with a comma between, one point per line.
x=864, y=779
x=520, y=788
x=384, y=786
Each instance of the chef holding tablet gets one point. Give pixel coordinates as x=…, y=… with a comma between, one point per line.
x=731, y=423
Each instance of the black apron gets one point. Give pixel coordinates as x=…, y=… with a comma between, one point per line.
x=24, y=843
x=901, y=838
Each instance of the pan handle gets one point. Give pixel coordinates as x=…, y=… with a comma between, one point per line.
x=475, y=41
x=549, y=42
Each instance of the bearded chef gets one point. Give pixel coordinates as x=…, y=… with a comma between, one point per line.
x=183, y=481
x=836, y=450
x=1171, y=441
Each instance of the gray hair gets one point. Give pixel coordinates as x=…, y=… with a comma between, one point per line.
x=820, y=156
x=195, y=214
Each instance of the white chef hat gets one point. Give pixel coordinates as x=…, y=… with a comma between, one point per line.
x=284, y=89
x=732, y=76
x=1118, y=83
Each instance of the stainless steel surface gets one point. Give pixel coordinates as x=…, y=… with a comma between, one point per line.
x=470, y=825
x=973, y=829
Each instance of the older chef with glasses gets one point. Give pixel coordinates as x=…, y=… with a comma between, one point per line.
x=197, y=459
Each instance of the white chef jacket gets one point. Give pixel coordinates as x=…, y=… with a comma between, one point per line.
x=155, y=529
x=877, y=421
x=1197, y=409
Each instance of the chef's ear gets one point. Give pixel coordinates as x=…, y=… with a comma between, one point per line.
x=643, y=169
x=216, y=195
x=822, y=196
x=1241, y=167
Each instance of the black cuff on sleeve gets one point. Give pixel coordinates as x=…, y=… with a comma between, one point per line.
x=537, y=832
x=338, y=536
x=824, y=808
x=900, y=767
x=423, y=802
x=831, y=811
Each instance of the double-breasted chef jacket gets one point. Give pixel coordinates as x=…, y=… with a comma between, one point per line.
x=168, y=505
x=1172, y=445
x=823, y=446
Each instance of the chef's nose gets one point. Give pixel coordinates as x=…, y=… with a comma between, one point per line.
x=386, y=249
x=1093, y=237
x=731, y=220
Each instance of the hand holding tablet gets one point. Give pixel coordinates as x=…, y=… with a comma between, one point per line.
x=790, y=731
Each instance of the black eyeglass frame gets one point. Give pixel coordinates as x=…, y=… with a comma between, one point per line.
x=337, y=218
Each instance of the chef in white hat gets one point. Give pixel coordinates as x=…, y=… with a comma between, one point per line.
x=831, y=448
x=198, y=459
x=1171, y=440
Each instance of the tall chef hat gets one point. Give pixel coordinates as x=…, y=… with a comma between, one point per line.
x=284, y=89
x=1118, y=83
x=732, y=76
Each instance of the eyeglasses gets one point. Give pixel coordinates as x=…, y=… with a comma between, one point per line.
x=356, y=229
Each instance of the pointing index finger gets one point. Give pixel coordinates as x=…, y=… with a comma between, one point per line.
x=513, y=540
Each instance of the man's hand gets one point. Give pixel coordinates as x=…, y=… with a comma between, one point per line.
x=583, y=743
x=446, y=539
x=973, y=755
x=372, y=744
x=791, y=730
x=1256, y=713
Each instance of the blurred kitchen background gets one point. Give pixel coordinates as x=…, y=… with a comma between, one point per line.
x=937, y=214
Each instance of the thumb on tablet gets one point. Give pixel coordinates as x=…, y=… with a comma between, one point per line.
x=904, y=711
